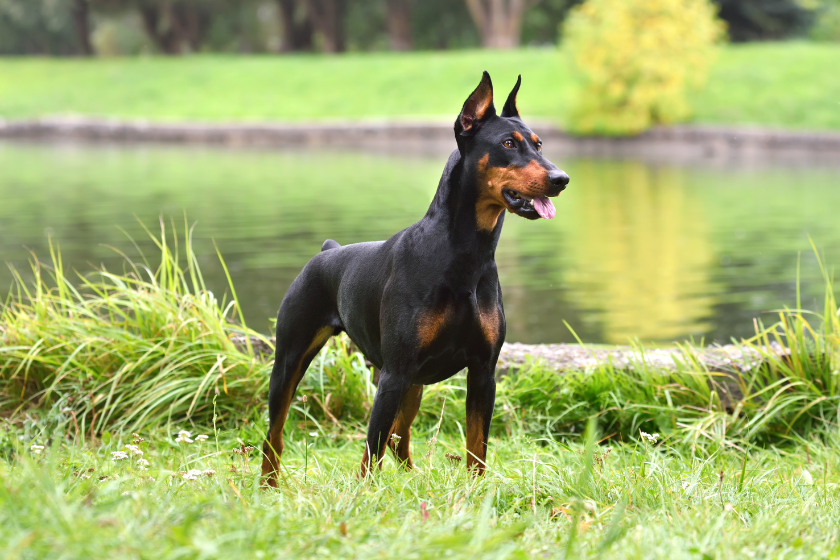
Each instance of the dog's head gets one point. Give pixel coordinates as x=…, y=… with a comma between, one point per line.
x=505, y=158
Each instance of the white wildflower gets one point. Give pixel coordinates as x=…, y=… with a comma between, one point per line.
x=192, y=474
x=209, y=472
x=119, y=455
x=143, y=464
x=649, y=437
x=201, y=437
x=35, y=448
x=313, y=434
x=183, y=436
x=134, y=449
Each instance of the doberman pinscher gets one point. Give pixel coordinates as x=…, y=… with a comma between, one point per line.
x=426, y=303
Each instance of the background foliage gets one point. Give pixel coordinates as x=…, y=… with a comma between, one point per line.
x=128, y=27
x=638, y=59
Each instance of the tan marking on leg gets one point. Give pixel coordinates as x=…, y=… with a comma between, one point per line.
x=273, y=446
x=402, y=426
x=365, y=469
x=476, y=446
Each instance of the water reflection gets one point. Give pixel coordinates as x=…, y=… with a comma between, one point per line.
x=642, y=254
x=654, y=252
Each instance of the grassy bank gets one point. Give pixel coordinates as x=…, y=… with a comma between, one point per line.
x=87, y=360
x=151, y=347
x=774, y=84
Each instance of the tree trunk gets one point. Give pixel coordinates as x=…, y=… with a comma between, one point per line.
x=81, y=21
x=499, y=22
x=189, y=22
x=174, y=27
x=327, y=17
x=159, y=24
x=399, y=25
x=297, y=31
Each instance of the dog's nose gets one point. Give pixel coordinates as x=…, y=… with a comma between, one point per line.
x=558, y=179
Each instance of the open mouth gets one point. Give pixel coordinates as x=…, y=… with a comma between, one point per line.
x=529, y=207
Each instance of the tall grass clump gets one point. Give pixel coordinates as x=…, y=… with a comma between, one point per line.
x=120, y=351
x=153, y=347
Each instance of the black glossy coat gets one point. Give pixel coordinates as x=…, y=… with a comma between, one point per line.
x=426, y=303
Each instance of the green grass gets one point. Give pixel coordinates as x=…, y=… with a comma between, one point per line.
x=775, y=84
x=539, y=499
x=85, y=363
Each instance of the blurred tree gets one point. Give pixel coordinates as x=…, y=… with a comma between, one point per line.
x=80, y=11
x=753, y=20
x=327, y=17
x=399, y=24
x=443, y=24
x=366, y=25
x=499, y=22
x=297, y=29
x=175, y=26
x=52, y=27
x=541, y=24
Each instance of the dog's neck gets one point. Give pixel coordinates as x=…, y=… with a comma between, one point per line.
x=454, y=210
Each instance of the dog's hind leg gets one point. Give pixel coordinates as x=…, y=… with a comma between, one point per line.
x=301, y=333
x=402, y=426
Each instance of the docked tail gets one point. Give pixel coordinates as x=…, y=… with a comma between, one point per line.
x=329, y=244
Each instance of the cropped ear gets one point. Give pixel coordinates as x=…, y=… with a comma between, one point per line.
x=477, y=107
x=510, y=109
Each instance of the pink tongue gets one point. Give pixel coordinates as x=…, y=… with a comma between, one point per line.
x=544, y=207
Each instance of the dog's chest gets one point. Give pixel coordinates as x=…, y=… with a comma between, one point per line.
x=463, y=323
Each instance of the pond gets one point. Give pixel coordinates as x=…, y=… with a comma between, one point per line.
x=638, y=250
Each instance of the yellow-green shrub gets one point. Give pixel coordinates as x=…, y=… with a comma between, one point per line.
x=637, y=59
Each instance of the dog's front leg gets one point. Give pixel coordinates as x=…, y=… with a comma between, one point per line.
x=481, y=397
x=389, y=395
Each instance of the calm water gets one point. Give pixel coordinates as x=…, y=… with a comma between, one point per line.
x=651, y=251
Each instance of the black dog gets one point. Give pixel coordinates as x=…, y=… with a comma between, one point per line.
x=426, y=303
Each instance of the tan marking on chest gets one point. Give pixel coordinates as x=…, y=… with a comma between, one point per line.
x=430, y=324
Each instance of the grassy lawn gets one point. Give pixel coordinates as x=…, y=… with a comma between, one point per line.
x=790, y=85
x=539, y=499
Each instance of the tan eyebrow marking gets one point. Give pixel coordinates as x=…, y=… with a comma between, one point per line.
x=518, y=136
x=535, y=138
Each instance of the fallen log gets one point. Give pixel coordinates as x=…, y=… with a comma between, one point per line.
x=563, y=358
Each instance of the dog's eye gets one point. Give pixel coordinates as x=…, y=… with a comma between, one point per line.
x=508, y=143
x=539, y=146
